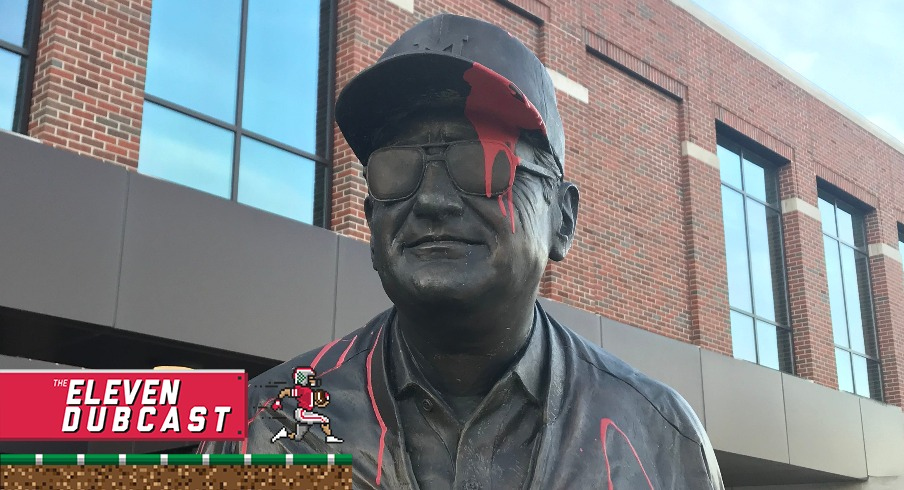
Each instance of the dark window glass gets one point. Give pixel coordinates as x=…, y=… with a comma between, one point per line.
x=847, y=274
x=186, y=150
x=237, y=100
x=754, y=258
x=193, y=54
x=18, y=41
x=9, y=88
x=901, y=241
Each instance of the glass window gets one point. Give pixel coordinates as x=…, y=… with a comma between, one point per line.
x=193, y=55
x=236, y=101
x=753, y=255
x=276, y=180
x=186, y=150
x=17, y=44
x=10, y=64
x=901, y=240
x=847, y=274
x=13, y=15
x=281, y=98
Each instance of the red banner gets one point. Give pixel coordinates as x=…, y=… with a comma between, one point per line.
x=132, y=405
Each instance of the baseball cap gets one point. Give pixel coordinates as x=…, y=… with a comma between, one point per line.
x=452, y=63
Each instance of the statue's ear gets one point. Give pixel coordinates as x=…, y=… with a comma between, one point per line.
x=566, y=205
x=368, y=208
x=368, y=213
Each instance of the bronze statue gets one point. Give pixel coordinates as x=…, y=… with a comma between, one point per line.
x=466, y=382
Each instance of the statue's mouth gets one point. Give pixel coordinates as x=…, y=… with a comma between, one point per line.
x=440, y=240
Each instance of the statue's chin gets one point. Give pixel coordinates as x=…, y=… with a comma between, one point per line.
x=439, y=289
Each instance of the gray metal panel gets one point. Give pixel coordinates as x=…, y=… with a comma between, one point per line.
x=674, y=363
x=824, y=428
x=359, y=292
x=745, y=410
x=205, y=270
x=11, y=362
x=61, y=217
x=883, y=435
x=583, y=322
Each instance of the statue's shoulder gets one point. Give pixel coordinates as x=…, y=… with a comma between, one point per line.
x=333, y=361
x=667, y=402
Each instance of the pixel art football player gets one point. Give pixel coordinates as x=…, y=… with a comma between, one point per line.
x=308, y=398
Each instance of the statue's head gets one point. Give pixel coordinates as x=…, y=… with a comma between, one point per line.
x=463, y=148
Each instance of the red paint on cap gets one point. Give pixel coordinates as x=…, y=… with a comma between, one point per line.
x=498, y=110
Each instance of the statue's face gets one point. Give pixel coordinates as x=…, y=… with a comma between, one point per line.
x=441, y=248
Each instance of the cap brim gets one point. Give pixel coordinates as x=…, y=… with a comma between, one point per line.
x=407, y=83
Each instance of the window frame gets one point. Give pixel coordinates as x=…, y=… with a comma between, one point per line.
x=827, y=193
x=322, y=163
x=748, y=150
x=28, y=54
x=901, y=240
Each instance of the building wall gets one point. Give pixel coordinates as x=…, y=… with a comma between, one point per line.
x=110, y=269
x=643, y=85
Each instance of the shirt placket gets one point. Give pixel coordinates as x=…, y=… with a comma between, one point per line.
x=474, y=457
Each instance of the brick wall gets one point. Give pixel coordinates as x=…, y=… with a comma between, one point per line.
x=650, y=245
x=89, y=77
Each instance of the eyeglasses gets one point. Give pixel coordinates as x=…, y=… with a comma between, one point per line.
x=395, y=173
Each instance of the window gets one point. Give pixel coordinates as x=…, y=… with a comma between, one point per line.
x=18, y=39
x=847, y=273
x=237, y=101
x=760, y=331
x=901, y=239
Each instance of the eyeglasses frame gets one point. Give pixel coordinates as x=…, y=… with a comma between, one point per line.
x=426, y=159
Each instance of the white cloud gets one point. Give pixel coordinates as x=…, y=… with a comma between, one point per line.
x=801, y=62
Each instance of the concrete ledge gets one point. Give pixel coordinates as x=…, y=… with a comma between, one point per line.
x=793, y=204
x=884, y=249
x=569, y=86
x=406, y=5
x=697, y=152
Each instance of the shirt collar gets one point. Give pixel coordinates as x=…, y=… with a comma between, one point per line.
x=528, y=369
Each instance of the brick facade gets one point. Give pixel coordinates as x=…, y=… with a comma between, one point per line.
x=89, y=77
x=650, y=246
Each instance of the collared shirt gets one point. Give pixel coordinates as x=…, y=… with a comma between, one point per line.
x=495, y=446
x=602, y=424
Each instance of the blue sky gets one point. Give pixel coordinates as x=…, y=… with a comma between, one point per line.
x=852, y=50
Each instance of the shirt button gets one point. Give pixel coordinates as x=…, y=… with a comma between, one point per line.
x=427, y=404
x=472, y=485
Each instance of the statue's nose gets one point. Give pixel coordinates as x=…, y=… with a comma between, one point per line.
x=437, y=196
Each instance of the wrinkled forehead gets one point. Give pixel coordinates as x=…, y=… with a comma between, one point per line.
x=426, y=126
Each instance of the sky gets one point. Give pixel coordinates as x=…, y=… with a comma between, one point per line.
x=854, y=50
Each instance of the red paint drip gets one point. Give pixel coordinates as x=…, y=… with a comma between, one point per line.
x=322, y=352
x=342, y=357
x=498, y=111
x=605, y=423
x=373, y=403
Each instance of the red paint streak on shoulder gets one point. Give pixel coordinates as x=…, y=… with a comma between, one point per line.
x=342, y=357
x=605, y=423
x=322, y=352
x=373, y=403
x=498, y=111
